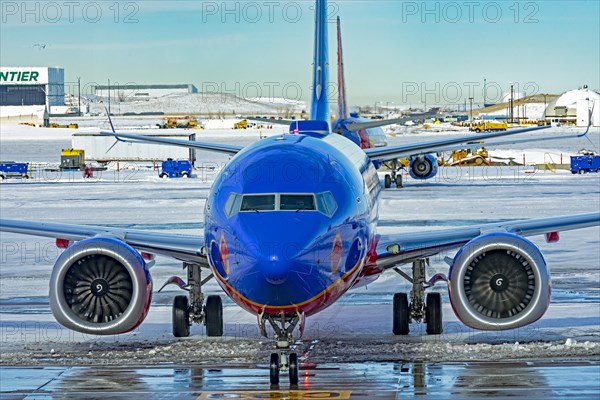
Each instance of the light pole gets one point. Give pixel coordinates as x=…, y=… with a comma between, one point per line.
x=544, y=115
x=484, y=92
x=109, y=97
x=79, y=95
x=471, y=113
x=511, y=102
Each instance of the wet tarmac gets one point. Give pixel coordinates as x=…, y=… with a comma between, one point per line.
x=533, y=380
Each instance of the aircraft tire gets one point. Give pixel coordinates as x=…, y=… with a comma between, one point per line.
x=387, y=182
x=274, y=369
x=181, y=317
x=293, y=369
x=214, y=316
x=400, y=314
x=433, y=313
x=398, y=181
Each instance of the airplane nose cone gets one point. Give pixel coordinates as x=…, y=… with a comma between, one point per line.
x=275, y=270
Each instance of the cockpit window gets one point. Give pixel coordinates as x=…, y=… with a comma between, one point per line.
x=295, y=202
x=326, y=203
x=258, y=202
x=232, y=205
x=322, y=202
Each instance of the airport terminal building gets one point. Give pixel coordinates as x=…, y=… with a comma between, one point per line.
x=29, y=91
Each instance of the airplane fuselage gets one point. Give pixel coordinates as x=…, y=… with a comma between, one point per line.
x=290, y=222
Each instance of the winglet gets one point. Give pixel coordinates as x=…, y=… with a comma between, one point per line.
x=109, y=120
x=590, y=116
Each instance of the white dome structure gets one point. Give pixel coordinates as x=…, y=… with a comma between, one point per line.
x=574, y=107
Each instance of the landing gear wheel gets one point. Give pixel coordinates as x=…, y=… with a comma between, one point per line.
x=214, y=316
x=181, y=317
x=398, y=181
x=433, y=313
x=387, y=182
x=274, y=369
x=293, y=369
x=400, y=314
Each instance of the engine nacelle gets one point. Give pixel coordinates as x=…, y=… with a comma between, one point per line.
x=499, y=281
x=423, y=166
x=100, y=286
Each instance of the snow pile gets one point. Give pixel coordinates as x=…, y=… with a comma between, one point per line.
x=438, y=350
x=201, y=104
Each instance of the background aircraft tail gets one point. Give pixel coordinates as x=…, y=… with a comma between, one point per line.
x=320, y=102
x=342, y=104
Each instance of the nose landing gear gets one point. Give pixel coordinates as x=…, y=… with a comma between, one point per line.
x=284, y=360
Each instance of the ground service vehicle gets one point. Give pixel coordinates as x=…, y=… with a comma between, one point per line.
x=488, y=126
x=11, y=169
x=585, y=163
x=175, y=169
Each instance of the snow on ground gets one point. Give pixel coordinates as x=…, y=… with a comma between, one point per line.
x=358, y=327
x=200, y=103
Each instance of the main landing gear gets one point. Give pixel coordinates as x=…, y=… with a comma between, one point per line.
x=420, y=309
x=195, y=311
x=284, y=359
x=395, y=177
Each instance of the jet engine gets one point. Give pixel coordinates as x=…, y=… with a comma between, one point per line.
x=499, y=281
x=424, y=166
x=100, y=286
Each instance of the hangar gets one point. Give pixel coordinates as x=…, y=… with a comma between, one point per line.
x=29, y=91
x=574, y=107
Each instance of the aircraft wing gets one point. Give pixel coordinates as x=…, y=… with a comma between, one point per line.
x=215, y=147
x=272, y=121
x=393, y=152
x=528, y=140
x=356, y=126
x=402, y=248
x=181, y=247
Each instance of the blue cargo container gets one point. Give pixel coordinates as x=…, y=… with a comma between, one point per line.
x=175, y=169
x=11, y=169
x=585, y=163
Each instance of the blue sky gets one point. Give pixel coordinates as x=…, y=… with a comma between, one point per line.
x=406, y=52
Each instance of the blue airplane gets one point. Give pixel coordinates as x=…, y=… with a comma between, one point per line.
x=290, y=226
x=369, y=134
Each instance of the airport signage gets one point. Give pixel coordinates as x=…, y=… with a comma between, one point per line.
x=23, y=76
